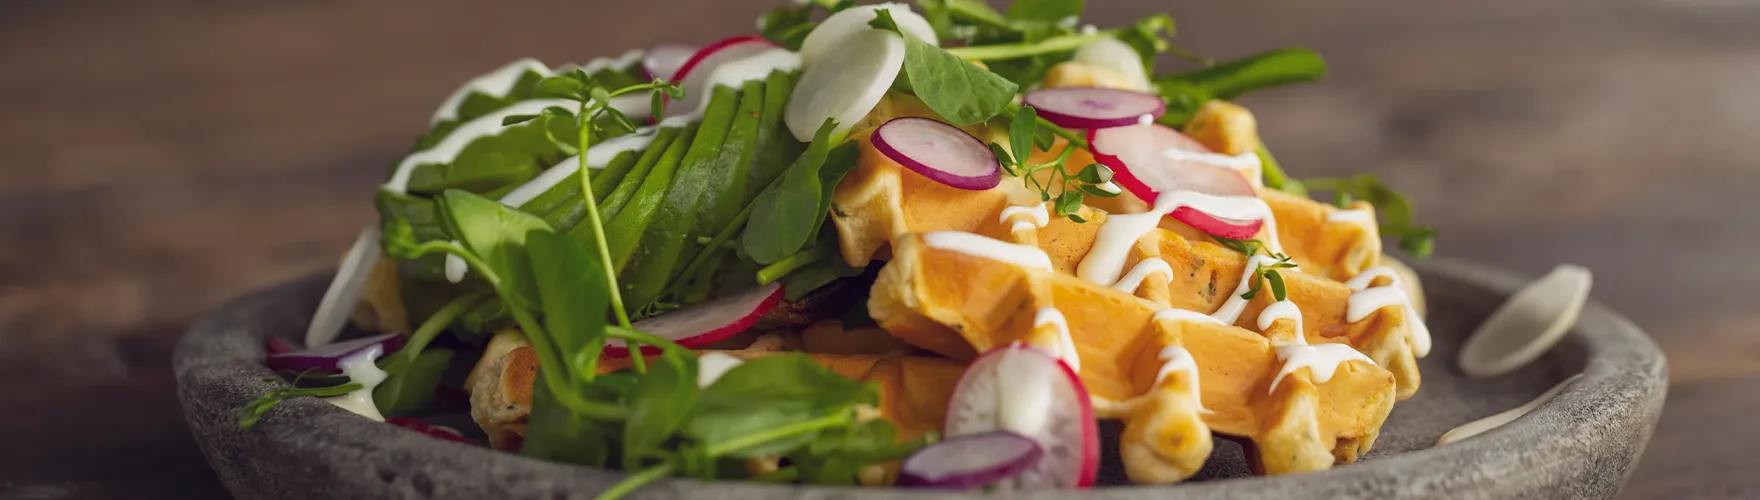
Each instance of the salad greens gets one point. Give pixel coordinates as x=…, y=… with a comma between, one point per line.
x=960, y=92
x=1070, y=189
x=1394, y=212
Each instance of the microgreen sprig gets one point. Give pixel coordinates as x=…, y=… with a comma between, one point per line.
x=257, y=408
x=1069, y=189
x=1262, y=273
x=1393, y=210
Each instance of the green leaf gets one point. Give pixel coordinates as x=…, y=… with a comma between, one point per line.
x=838, y=163
x=1149, y=37
x=512, y=155
x=563, y=87
x=574, y=297
x=1021, y=131
x=556, y=434
x=1258, y=273
x=1273, y=174
x=960, y=92
x=1094, y=173
x=1070, y=202
x=659, y=403
x=787, y=25
x=1420, y=241
x=410, y=390
x=976, y=11
x=1045, y=10
x=1185, y=92
x=762, y=396
x=1004, y=157
x=783, y=215
x=837, y=456
x=1276, y=279
x=496, y=233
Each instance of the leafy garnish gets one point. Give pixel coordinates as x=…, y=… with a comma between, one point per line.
x=1186, y=92
x=957, y=90
x=254, y=410
x=785, y=213
x=1069, y=189
x=1392, y=209
x=1261, y=272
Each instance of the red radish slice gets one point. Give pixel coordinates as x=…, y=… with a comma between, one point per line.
x=664, y=61
x=845, y=84
x=327, y=358
x=435, y=431
x=940, y=152
x=970, y=461
x=1029, y=391
x=839, y=29
x=1138, y=157
x=1095, y=107
x=277, y=346
x=707, y=322
x=694, y=74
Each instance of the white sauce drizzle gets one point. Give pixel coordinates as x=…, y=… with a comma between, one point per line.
x=712, y=365
x=1282, y=309
x=495, y=83
x=1113, y=242
x=1145, y=119
x=1350, y=215
x=1231, y=308
x=1368, y=300
x=733, y=74
x=1037, y=217
x=1322, y=360
x=360, y=369
x=624, y=60
x=1026, y=256
x=1175, y=358
x=598, y=156
x=1066, y=345
x=1185, y=315
x=1141, y=271
x=449, y=147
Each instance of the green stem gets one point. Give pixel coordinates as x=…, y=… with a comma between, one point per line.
x=1066, y=134
x=1019, y=50
x=586, y=127
x=757, y=438
x=636, y=480
x=791, y=263
x=726, y=233
x=431, y=329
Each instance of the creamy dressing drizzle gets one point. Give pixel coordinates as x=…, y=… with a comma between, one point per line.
x=1036, y=217
x=1185, y=315
x=495, y=83
x=1231, y=308
x=1175, y=358
x=622, y=61
x=1141, y=271
x=598, y=156
x=1066, y=345
x=1026, y=256
x=733, y=74
x=1321, y=360
x=1350, y=215
x=1282, y=309
x=1366, y=301
x=1105, y=260
x=359, y=368
x=448, y=148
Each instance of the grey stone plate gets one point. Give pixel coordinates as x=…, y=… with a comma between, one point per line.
x=1583, y=444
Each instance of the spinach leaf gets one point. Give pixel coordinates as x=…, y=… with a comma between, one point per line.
x=1051, y=11
x=783, y=215
x=659, y=403
x=1185, y=92
x=556, y=434
x=411, y=388
x=574, y=296
x=805, y=280
x=960, y=92
x=496, y=233
x=839, y=163
x=421, y=223
x=774, y=404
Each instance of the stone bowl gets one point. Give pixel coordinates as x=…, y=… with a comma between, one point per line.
x=1582, y=444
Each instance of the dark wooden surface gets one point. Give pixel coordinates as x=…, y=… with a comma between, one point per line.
x=157, y=158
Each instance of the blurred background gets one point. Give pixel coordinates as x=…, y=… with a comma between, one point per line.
x=159, y=158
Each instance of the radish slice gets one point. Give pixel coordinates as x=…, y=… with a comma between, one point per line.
x=1027, y=390
x=694, y=74
x=1110, y=53
x=707, y=322
x=435, y=431
x=837, y=30
x=1153, y=159
x=1095, y=107
x=277, y=346
x=345, y=289
x=940, y=152
x=846, y=84
x=970, y=461
x=328, y=358
x=664, y=61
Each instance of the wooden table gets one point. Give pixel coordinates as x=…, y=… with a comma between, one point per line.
x=161, y=157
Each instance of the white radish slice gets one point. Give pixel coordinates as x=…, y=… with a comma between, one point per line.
x=1479, y=426
x=844, y=86
x=328, y=358
x=1153, y=159
x=939, y=151
x=837, y=30
x=1095, y=107
x=969, y=461
x=1027, y=390
x=345, y=289
x=1528, y=324
x=705, y=323
x=694, y=74
x=1112, y=54
x=664, y=61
